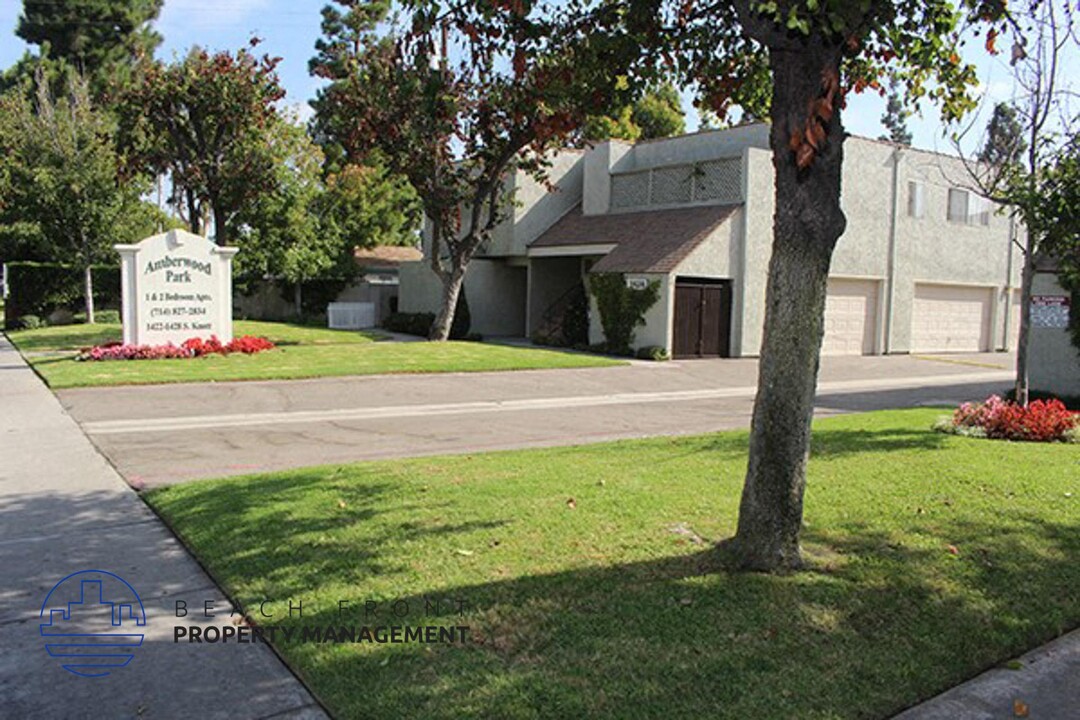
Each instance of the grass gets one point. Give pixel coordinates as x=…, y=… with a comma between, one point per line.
x=303, y=352
x=609, y=607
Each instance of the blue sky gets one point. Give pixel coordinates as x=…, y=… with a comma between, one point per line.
x=289, y=29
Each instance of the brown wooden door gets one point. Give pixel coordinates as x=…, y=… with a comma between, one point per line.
x=702, y=320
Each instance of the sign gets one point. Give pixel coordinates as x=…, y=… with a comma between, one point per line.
x=175, y=287
x=1050, y=311
x=637, y=283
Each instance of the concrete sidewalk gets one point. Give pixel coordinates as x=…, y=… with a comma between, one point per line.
x=64, y=509
x=1045, y=685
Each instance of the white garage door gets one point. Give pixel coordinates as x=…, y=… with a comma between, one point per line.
x=951, y=318
x=850, y=317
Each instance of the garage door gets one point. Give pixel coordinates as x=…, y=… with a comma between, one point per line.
x=850, y=317
x=951, y=318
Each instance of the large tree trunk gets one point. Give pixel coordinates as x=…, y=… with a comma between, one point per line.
x=444, y=320
x=194, y=213
x=221, y=225
x=1027, y=278
x=88, y=293
x=807, y=223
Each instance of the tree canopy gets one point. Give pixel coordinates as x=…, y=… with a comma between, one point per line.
x=204, y=121
x=657, y=113
x=59, y=177
x=102, y=40
x=468, y=94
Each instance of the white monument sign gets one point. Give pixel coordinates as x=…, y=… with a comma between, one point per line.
x=176, y=286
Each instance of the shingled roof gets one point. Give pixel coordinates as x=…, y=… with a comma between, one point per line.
x=655, y=241
x=386, y=256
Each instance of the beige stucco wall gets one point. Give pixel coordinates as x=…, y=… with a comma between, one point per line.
x=755, y=249
x=696, y=147
x=495, y=289
x=1054, y=361
x=927, y=249
x=931, y=249
x=537, y=207
x=717, y=256
x=420, y=290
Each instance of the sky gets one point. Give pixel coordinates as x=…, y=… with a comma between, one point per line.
x=289, y=30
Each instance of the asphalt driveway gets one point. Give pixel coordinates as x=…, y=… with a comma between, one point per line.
x=173, y=433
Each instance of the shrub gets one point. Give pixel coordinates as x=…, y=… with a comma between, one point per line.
x=40, y=288
x=30, y=322
x=1040, y=421
x=622, y=309
x=107, y=316
x=410, y=323
x=653, y=352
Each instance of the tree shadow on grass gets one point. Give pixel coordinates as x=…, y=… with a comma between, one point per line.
x=829, y=443
x=246, y=525
x=879, y=625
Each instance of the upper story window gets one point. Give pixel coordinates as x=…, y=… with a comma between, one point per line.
x=916, y=203
x=967, y=208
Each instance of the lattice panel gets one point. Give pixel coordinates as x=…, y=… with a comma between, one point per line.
x=672, y=186
x=719, y=180
x=630, y=190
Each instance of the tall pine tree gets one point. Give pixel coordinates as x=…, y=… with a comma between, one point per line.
x=348, y=26
x=895, y=117
x=99, y=39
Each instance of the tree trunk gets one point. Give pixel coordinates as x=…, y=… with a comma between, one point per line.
x=88, y=293
x=298, y=300
x=444, y=320
x=221, y=226
x=194, y=214
x=807, y=223
x=1027, y=278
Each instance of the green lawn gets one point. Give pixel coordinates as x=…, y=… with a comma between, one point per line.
x=606, y=607
x=303, y=352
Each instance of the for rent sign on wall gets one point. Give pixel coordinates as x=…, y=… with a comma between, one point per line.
x=1050, y=311
x=176, y=286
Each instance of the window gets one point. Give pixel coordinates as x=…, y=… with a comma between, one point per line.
x=916, y=205
x=968, y=208
x=958, y=206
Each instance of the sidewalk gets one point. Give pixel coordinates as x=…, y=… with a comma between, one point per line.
x=64, y=509
x=1045, y=685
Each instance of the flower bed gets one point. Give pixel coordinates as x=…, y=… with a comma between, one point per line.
x=1040, y=421
x=193, y=348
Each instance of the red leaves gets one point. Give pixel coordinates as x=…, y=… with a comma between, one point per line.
x=808, y=141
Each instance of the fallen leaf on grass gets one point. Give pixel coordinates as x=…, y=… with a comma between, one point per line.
x=466, y=553
x=953, y=550
x=571, y=503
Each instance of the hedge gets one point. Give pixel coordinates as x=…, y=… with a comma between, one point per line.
x=40, y=288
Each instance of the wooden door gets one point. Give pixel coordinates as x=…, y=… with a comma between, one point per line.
x=702, y=319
